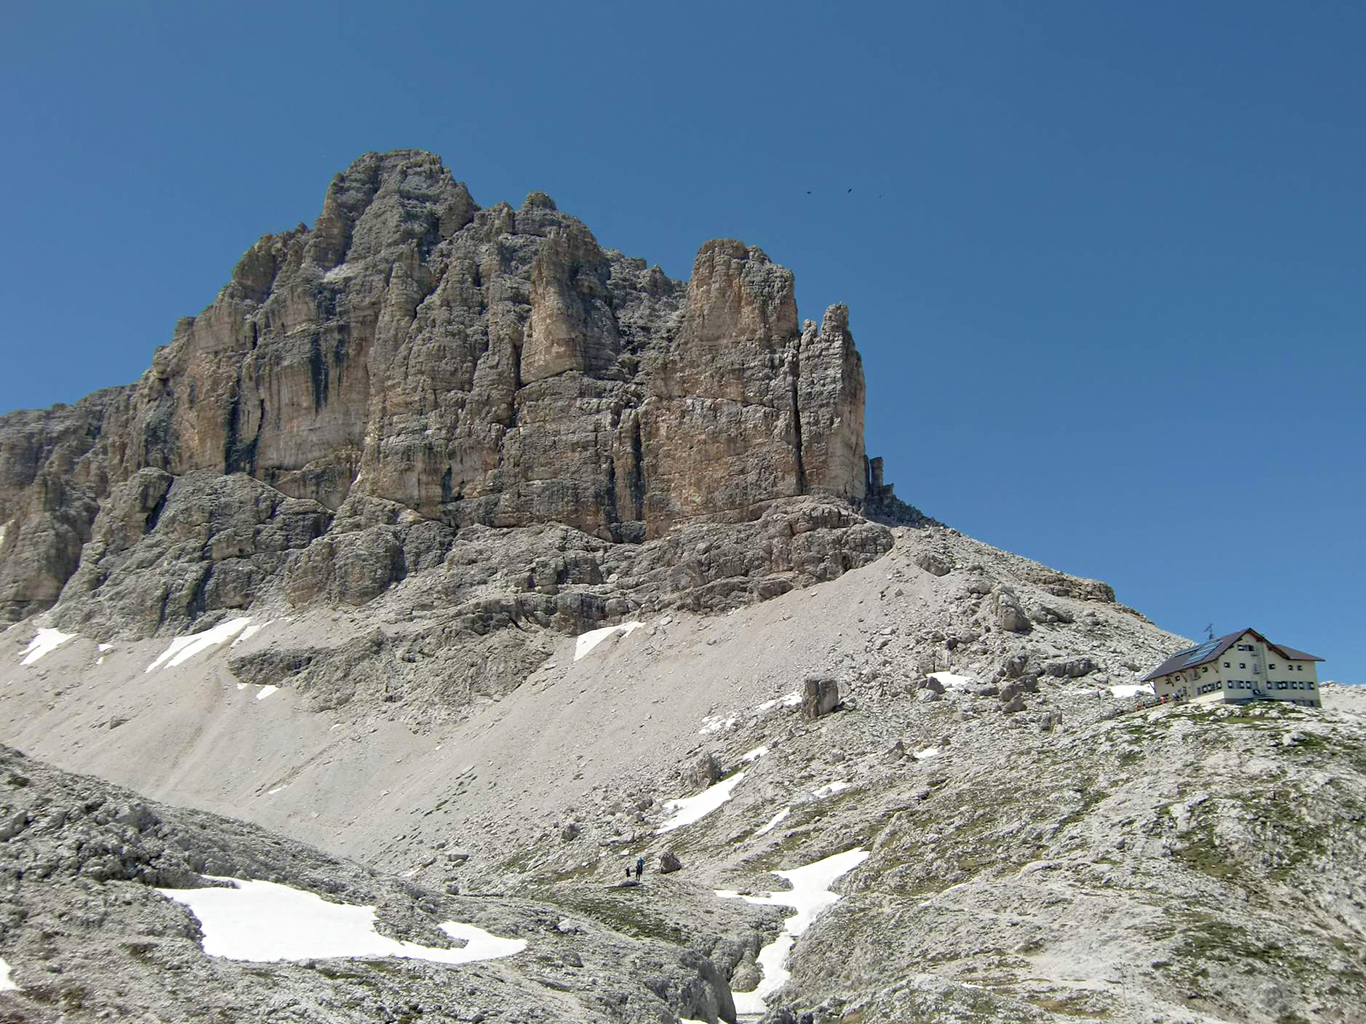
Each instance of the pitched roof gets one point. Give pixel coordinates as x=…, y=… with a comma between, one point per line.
x=1208, y=651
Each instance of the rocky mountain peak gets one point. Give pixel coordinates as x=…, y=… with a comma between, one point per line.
x=414, y=365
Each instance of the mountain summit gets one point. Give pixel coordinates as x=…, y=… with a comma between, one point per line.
x=411, y=366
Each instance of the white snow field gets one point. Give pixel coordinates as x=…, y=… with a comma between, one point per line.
x=587, y=641
x=265, y=692
x=920, y=755
x=717, y=723
x=951, y=681
x=688, y=809
x=830, y=789
x=810, y=894
x=183, y=648
x=248, y=633
x=45, y=641
x=753, y=755
x=6, y=984
x=264, y=921
x=773, y=822
x=1132, y=691
x=790, y=700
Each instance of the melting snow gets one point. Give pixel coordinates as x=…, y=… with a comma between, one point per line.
x=265, y=692
x=693, y=808
x=105, y=647
x=248, y=633
x=927, y=752
x=46, y=641
x=788, y=701
x=810, y=895
x=587, y=641
x=1132, y=691
x=830, y=789
x=6, y=985
x=774, y=822
x=183, y=648
x=753, y=755
x=951, y=681
x=265, y=921
x=716, y=723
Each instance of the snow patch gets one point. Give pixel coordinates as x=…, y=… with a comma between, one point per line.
x=183, y=648
x=717, y=723
x=272, y=792
x=1133, y=691
x=265, y=921
x=810, y=895
x=791, y=700
x=774, y=822
x=6, y=984
x=587, y=641
x=830, y=789
x=104, y=647
x=265, y=692
x=47, y=641
x=753, y=755
x=951, y=681
x=248, y=633
x=920, y=755
x=689, y=809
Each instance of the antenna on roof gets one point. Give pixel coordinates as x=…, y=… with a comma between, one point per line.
x=1210, y=630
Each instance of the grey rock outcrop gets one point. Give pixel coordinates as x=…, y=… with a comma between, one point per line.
x=820, y=696
x=411, y=367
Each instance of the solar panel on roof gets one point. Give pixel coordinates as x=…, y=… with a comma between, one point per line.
x=1202, y=651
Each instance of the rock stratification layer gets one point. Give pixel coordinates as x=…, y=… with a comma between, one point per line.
x=414, y=365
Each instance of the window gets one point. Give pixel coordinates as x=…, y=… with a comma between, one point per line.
x=1270, y=667
x=1225, y=664
x=1310, y=684
x=1280, y=686
x=1242, y=664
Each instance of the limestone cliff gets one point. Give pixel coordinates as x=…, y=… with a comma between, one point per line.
x=412, y=366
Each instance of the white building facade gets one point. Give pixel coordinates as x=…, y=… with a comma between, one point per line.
x=1237, y=668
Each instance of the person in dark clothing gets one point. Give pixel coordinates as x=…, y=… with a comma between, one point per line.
x=640, y=867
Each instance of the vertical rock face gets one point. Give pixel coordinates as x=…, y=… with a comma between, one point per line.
x=413, y=352
x=830, y=396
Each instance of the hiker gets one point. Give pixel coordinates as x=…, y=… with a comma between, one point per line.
x=640, y=867
x=628, y=873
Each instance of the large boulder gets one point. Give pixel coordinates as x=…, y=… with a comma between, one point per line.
x=1005, y=611
x=820, y=696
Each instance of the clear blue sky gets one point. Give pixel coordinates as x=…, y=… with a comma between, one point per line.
x=1104, y=261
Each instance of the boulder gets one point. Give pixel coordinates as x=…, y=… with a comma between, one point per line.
x=934, y=563
x=669, y=863
x=820, y=696
x=706, y=771
x=1004, y=609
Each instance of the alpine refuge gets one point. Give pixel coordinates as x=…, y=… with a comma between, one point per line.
x=1237, y=668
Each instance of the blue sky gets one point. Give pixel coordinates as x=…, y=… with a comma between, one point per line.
x=1104, y=261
